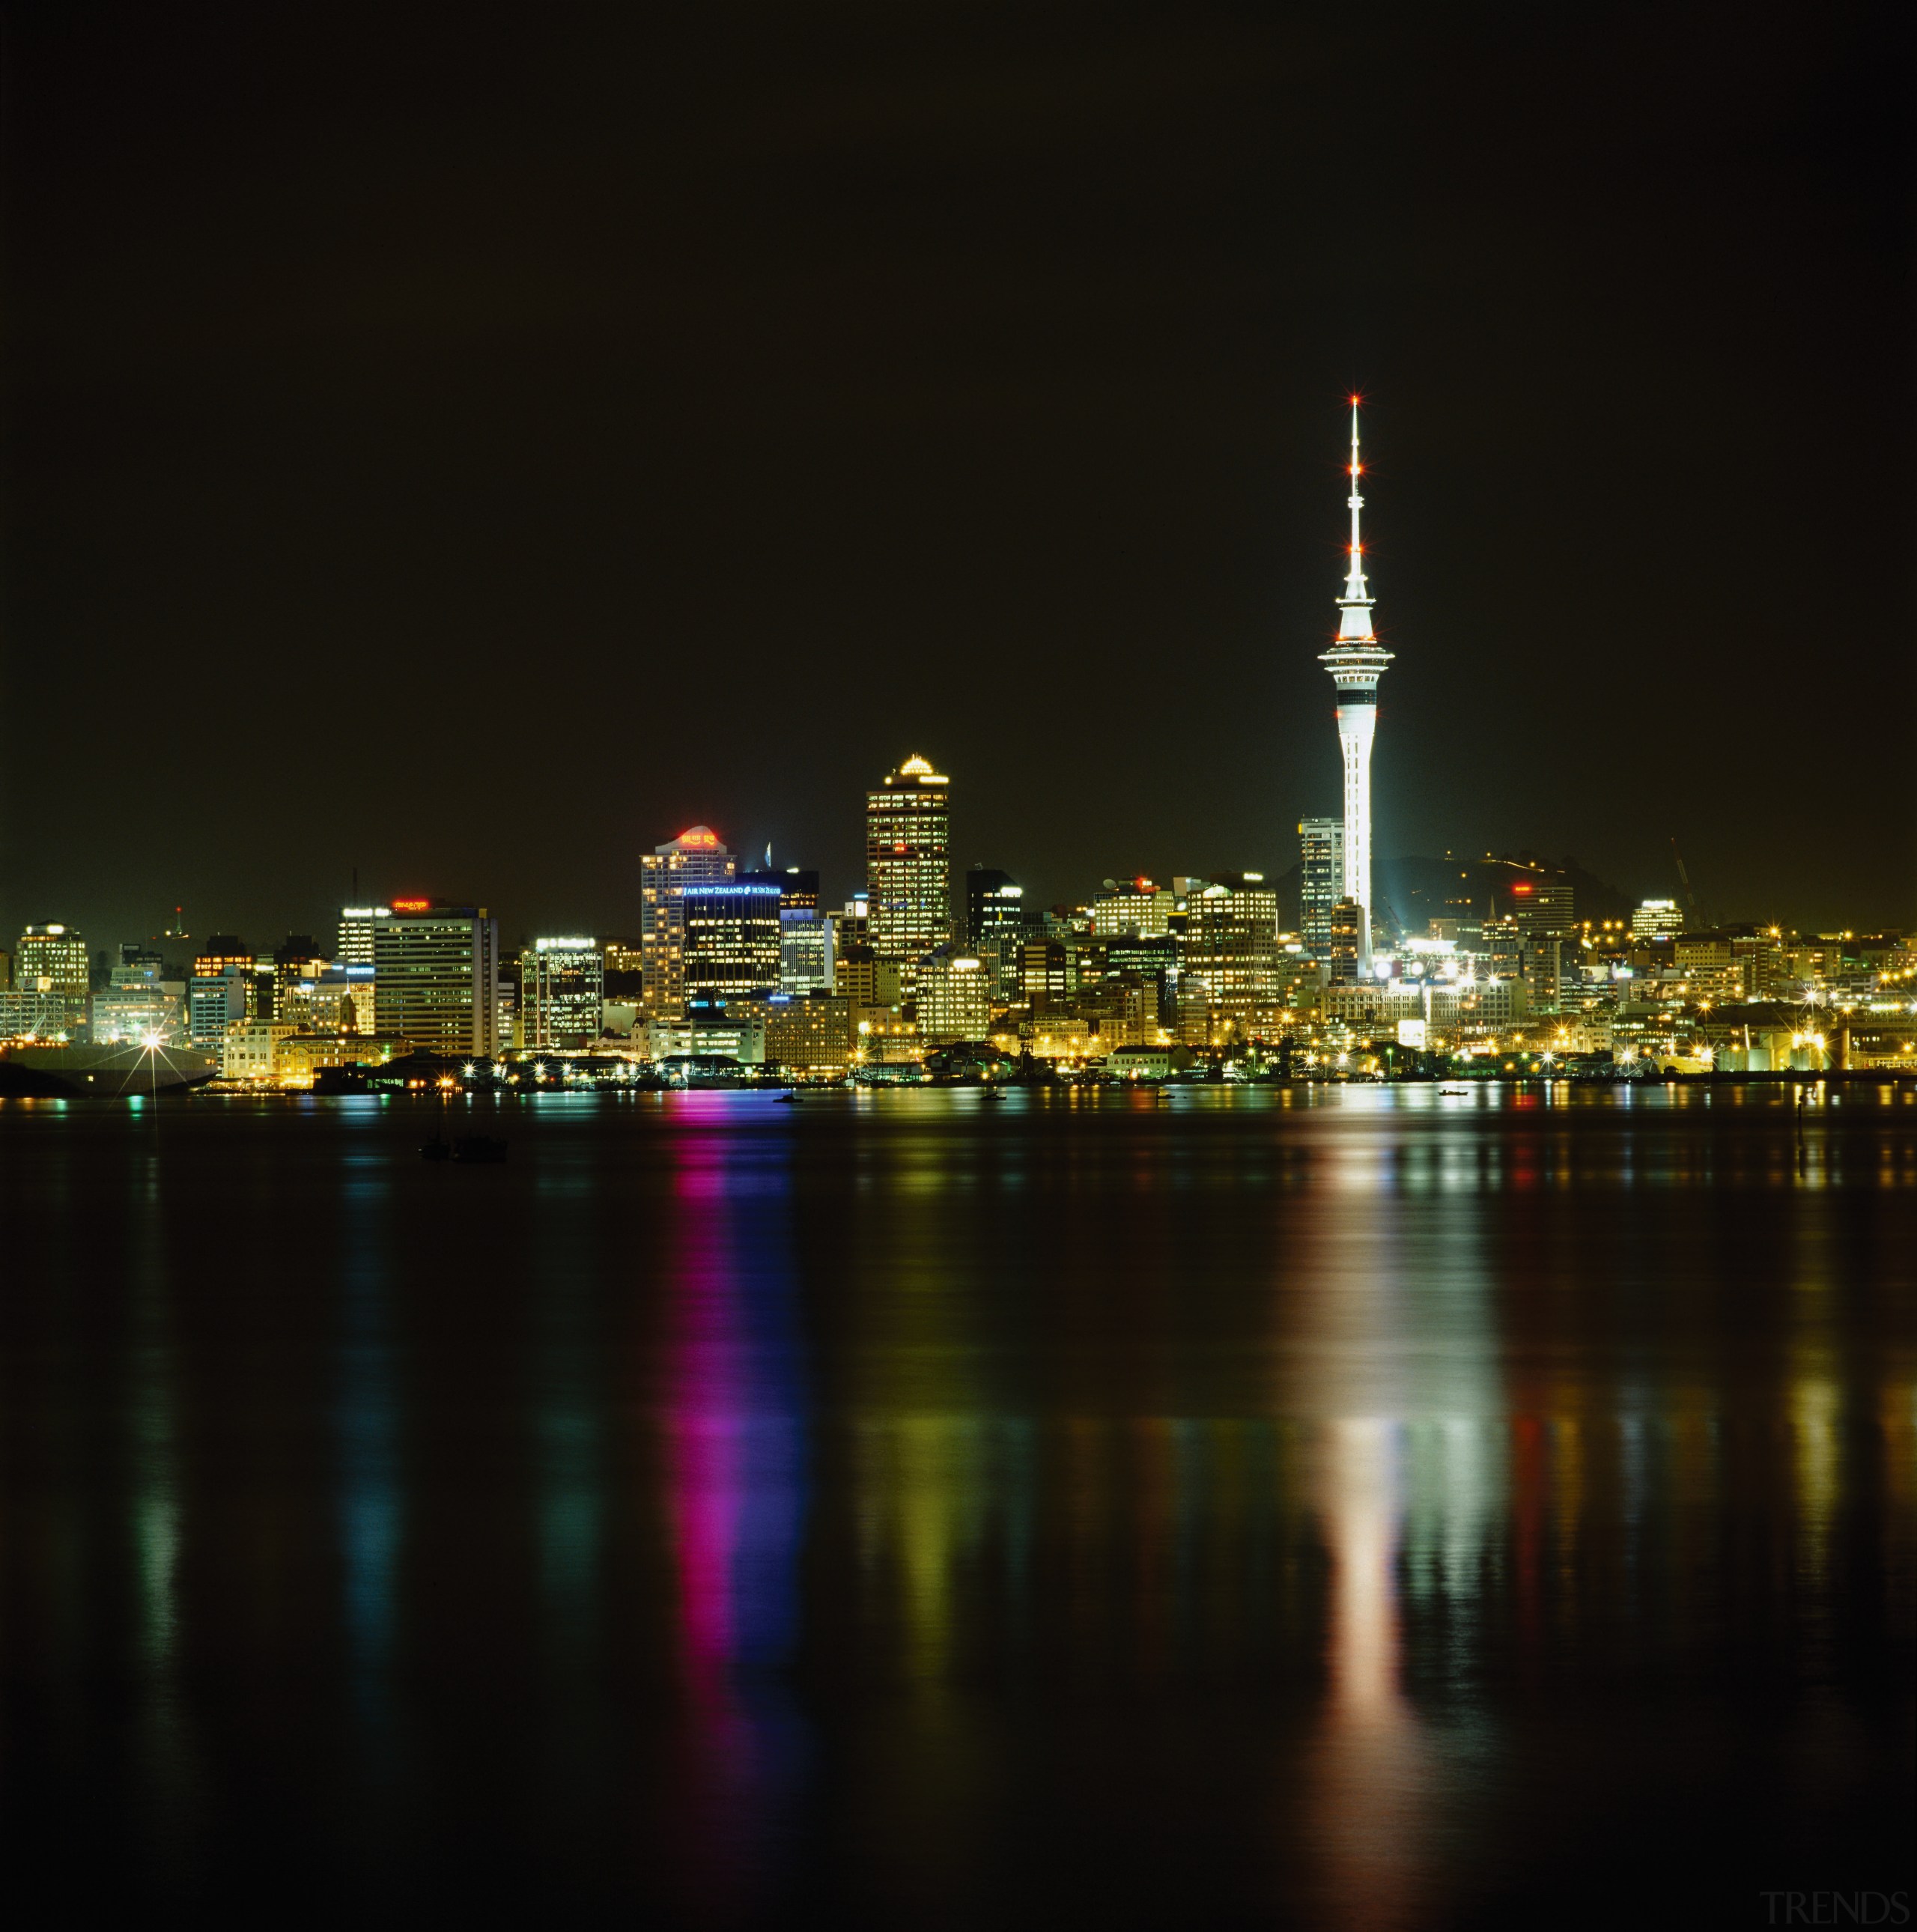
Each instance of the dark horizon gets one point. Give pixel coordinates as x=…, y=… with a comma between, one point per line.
x=474, y=460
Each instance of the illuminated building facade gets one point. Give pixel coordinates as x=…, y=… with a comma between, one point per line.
x=1356, y=662
x=50, y=967
x=436, y=971
x=1656, y=919
x=1132, y=907
x=731, y=938
x=956, y=995
x=562, y=992
x=358, y=926
x=1232, y=945
x=810, y=1032
x=908, y=868
x=215, y=1002
x=1321, y=880
x=805, y=935
x=694, y=858
x=997, y=925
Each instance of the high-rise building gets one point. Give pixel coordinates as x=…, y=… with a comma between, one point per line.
x=1356, y=662
x=435, y=975
x=1134, y=907
x=297, y=965
x=1231, y=945
x=1656, y=919
x=562, y=990
x=731, y=938
x=1321, y=880
x=137, y=1005
x=215, y=1001
x=225, y=953
x=357, y=926
x=1345, y=931
x=805, y=935
x=50, y=963
x=997, y=925
x=908, y=867
x=694, y=858
x=955, y=994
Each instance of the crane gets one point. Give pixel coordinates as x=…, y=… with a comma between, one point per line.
x=1684, y=878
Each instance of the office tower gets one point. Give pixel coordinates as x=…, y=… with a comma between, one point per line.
x=956, y=995
x=908, y=868
x=997, y=925
x=730, y=947
x=1344, y=941
x=50, y=964
x=805, y=935
x=1046, y=975
x=562, y=990
x=1321, y=880
x=435, y=977
x=1356, y=662
x=225, y=953
x=694, y=858
x=1656, y=919
x=358, y=926
x=1134, y=907
x=215, y=1001
x=296, y=964
x=1231, y=945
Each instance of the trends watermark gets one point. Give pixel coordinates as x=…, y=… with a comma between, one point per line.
x=1836, y=1908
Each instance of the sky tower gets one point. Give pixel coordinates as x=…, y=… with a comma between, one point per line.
x=1356, y=662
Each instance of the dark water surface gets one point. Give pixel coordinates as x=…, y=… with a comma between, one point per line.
x=1368, y=1509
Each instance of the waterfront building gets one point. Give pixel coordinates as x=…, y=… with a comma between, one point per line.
x=1356, y=662
x=694, y=858
x=908, y=867
x=1231, y=946
x=1046, y=978
x=1346, y=932
x=731, y=938
x=805, y=935
x=809, y=1032
x=1321, y=880
x=50, y=965
x=436, y=971
x=956, y=993
x=251, y=1048
x=562, y=992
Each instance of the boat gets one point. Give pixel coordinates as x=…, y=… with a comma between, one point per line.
x=478, y=1150
x=788, y=1100
x=104, y=1072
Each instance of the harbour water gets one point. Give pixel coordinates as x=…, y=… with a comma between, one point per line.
x=1354, y=1507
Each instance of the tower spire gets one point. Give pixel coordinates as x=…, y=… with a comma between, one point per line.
x=1356, y=662
x=1356, y=602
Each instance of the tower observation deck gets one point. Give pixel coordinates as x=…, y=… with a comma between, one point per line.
x=1356, y=662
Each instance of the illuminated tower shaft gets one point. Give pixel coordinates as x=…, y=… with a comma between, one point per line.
x=1356, y=662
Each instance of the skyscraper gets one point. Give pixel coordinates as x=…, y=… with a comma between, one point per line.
x=694, y=858
x=1356, y=662
x=731, y=948
x=437, y=977
x=561, y=987
x=1321, y=880
x=908, y=868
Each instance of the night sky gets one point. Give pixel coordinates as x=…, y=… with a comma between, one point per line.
x=473, y=452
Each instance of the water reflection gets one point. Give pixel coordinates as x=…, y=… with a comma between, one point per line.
x=734, y=1425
